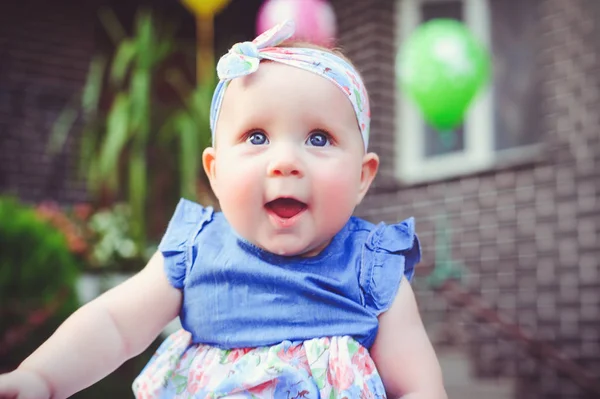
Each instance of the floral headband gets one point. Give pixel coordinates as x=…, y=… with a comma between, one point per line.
x=244, y=59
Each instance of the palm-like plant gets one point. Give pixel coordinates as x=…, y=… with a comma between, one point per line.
x=114, y=143
x=189, y=125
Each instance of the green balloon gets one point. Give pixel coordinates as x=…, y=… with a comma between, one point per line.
x=441, y=66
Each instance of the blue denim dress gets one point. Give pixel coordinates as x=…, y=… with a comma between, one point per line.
x=259, y=325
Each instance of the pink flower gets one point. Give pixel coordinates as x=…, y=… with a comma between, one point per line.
x=235, y=354
x=351, y=76
x=278, y=50
x=340, y=376
x=197, y=380
x=193, y=387
x=266, y=389
x=363, y=362
x=365, y=393
x=295, y=356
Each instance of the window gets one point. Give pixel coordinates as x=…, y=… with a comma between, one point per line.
x=503, y=123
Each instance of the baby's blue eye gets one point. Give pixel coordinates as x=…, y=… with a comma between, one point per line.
x=258, y=138
x=318, y=140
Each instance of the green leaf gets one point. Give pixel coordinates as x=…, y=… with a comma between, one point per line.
x=88, y=145
x=144, y=37
x=89, y=99
x=115, y=138
x=189, y=156
x=60, y=129
x=163, y=49
x=200, y=103
x=92, y=177
x=111, y=24
x=137, y=192
x=352, y=347
x=92, y=89
x=124, y=58
x=168, y=130
x=167, y=44
x=141, y=82
x=180, y=382
x=319, y=377
x=224, y=356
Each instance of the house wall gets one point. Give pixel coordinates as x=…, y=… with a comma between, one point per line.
x=526, y=234
x=44, y=56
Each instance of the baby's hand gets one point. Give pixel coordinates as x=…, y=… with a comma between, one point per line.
x=23, y=384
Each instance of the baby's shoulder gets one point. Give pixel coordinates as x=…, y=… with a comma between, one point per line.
x=393, y=236
x=388, y=253
x=190, y=216
x=192, y=226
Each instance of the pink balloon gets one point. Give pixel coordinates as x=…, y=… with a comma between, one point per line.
x=315, y=19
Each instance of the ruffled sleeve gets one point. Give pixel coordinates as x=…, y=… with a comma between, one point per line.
x=177, y=244
x=390, y=252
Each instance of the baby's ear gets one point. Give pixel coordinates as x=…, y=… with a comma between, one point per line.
x=370, y=166
x=209, y=164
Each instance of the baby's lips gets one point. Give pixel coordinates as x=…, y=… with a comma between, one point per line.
x=286, y=207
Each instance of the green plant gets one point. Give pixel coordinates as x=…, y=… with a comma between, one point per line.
x=190, y=127
x=101, y=238
x=116, y=143
x=37, y=280
x=111, y=241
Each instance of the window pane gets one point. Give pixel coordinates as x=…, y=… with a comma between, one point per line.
x=442, y=9
x=447, y=142
x=517, y=99
x=439, y=143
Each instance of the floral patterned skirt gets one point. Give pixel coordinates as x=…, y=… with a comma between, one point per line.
x=327, y=368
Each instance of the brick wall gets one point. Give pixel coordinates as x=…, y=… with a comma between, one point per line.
x=44, y=55
x=527, y=234
x=45, y=50
x=366, y=32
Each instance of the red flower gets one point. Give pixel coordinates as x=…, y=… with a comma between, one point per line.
x=363, y=362
x=235, y=354
x=294, y=355
x=197, y=380
x=265, y=388
x=340, y=376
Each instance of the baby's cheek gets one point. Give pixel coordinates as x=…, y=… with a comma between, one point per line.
x=344, y=179
x=238, y=184
x=240, y=188
x=339, y=189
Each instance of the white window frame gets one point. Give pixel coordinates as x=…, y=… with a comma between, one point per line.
x=412, y=166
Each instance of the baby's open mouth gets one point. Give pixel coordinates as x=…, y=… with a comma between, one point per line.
x=285, y=208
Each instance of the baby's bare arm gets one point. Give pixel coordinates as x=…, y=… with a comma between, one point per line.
x=403, y=353
x=104, y=333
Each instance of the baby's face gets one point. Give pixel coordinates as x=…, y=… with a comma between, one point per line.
x=289, y=164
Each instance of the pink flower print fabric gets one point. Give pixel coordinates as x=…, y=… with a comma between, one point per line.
x=337, y=367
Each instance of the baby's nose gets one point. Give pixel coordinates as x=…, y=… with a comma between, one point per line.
x=285, y=163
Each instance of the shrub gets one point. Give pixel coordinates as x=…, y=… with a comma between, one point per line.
x=38, y=274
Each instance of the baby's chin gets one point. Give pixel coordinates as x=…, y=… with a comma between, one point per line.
x=293, y=249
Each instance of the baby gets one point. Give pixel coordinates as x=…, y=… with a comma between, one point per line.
x=283, y=294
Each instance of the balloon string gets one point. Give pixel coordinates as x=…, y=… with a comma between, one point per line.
x=204, y=50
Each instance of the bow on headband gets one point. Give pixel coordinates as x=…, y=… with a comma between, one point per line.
x=244, y=59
